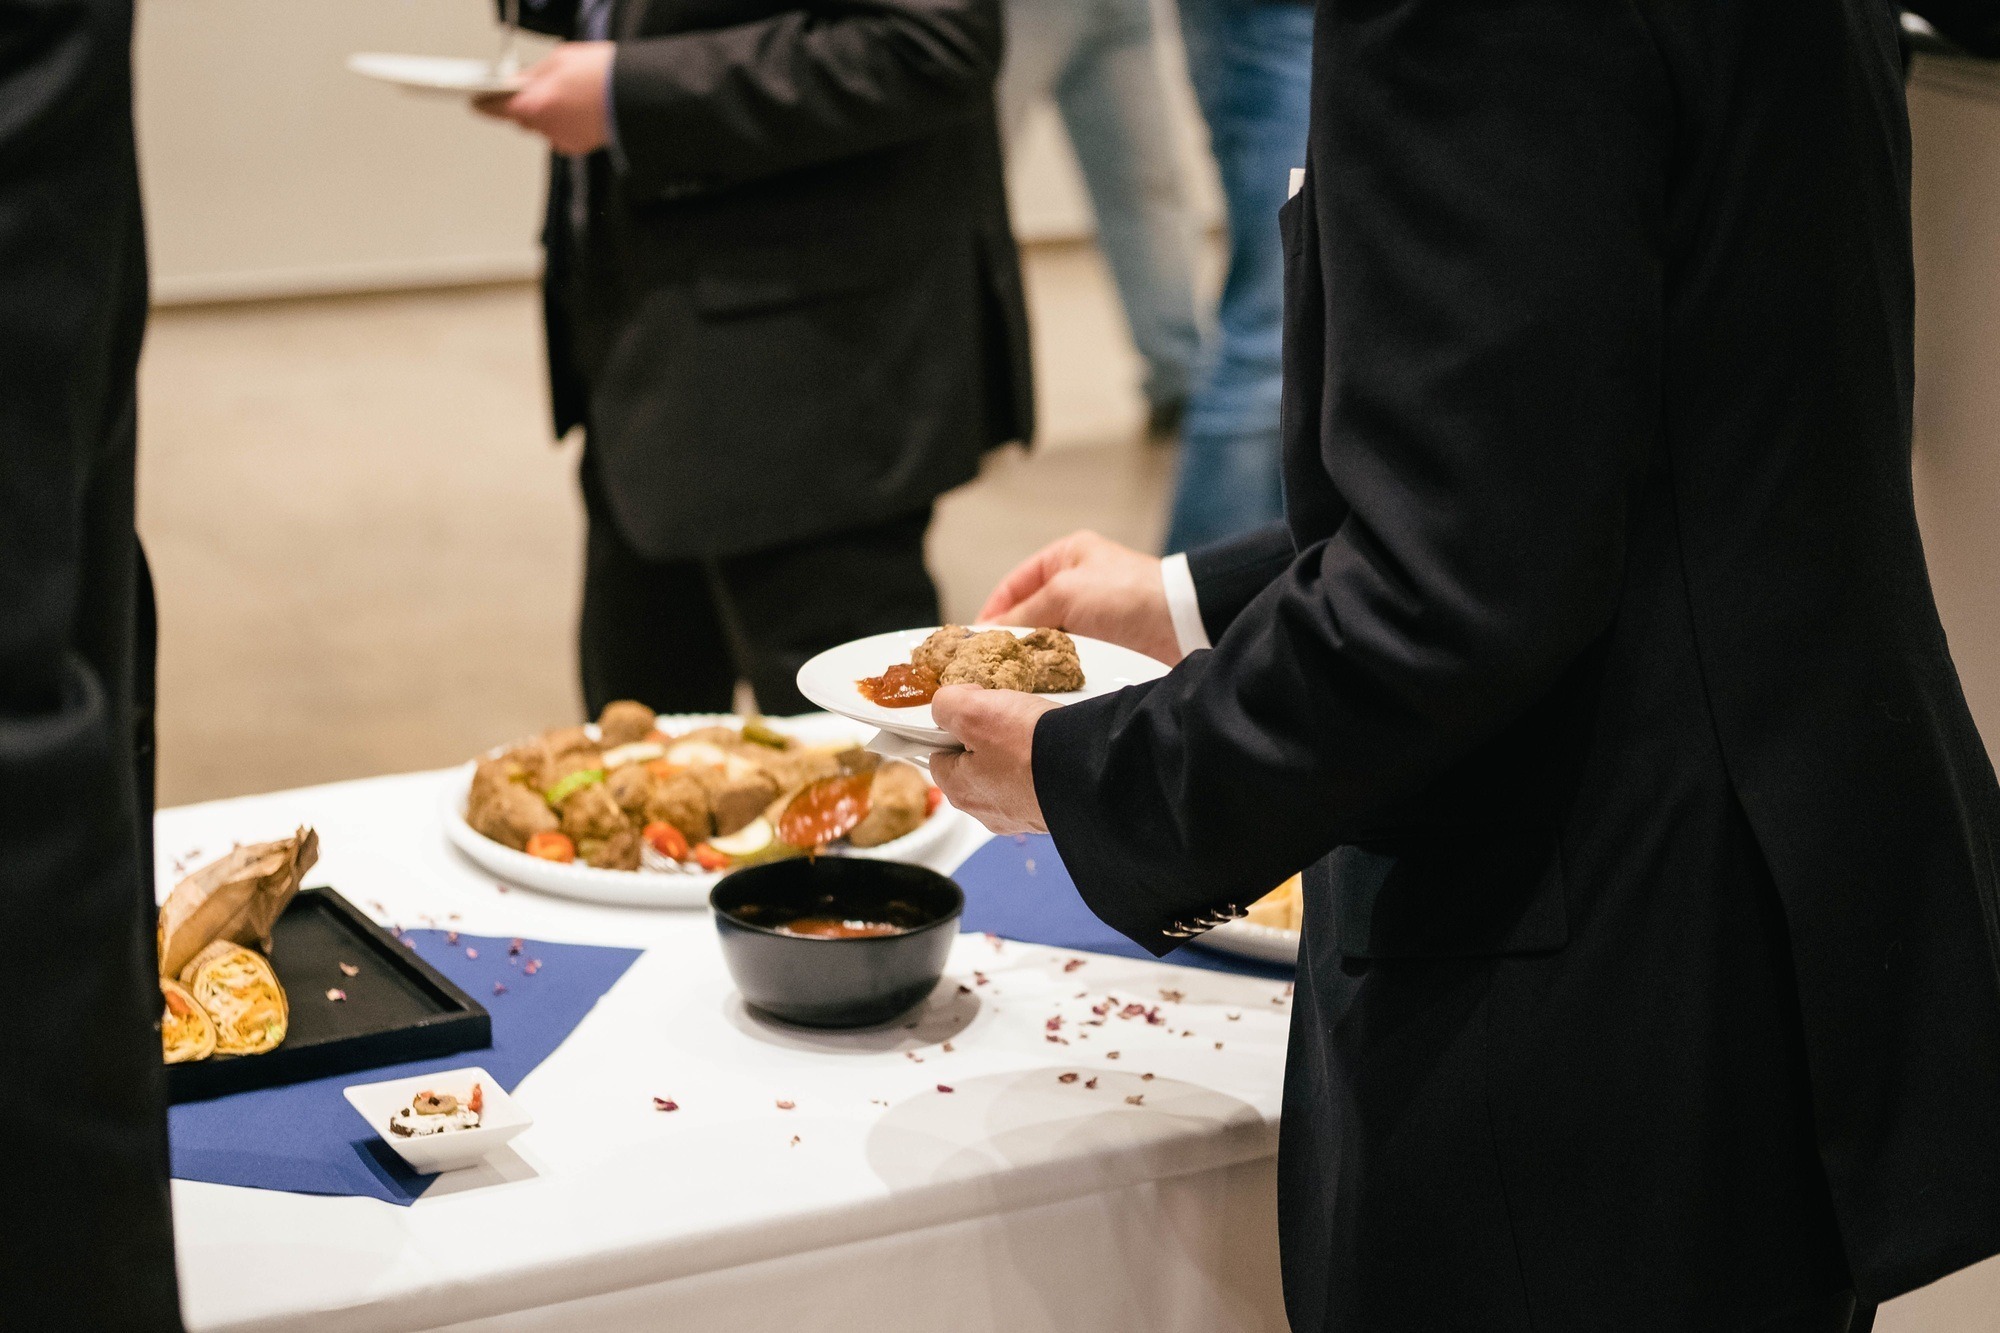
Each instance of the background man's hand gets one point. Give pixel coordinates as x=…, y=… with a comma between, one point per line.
x=562, y=98
x=994, y=780
x=1093, y=586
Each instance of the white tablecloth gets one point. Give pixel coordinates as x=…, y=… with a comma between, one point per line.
x=880, y=1202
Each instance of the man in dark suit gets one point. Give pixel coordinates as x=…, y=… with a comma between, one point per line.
x=82, y=1098
x=1651, y=962
x=784, y=304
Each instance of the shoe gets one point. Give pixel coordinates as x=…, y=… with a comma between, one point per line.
x=1163, y=420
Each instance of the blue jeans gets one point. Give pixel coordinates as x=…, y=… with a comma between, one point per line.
x=1096, y=58
x=1251, y=64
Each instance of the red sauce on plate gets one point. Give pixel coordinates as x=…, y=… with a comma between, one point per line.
x=901, y=686
x=825, y=810
x=833, y=928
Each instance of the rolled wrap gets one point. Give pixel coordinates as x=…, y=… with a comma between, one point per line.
x=241, y=994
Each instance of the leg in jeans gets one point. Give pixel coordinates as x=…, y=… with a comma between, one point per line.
x=1251, y=64
x=1113, y=103
x=1097, y=58
x=786, y=605
x=650, y=630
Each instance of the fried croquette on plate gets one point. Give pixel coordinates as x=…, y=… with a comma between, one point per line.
x=624, y=721
x=994, y=659
x=1052, y=654
x=936, y=652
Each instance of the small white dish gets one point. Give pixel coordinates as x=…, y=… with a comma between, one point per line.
x=500, y=1119
x=460, y=76
x=829, y=680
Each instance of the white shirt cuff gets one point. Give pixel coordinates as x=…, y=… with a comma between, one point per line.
x=1182, y=603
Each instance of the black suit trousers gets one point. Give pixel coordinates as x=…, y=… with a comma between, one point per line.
x=677, y=635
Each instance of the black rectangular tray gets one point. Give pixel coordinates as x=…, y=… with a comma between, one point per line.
x=398, y=1007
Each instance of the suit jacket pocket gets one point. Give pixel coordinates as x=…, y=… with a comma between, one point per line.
x=757, y=283
x=1463, y=896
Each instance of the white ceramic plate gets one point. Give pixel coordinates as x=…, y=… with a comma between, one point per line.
x=643, y=888
x=1247, y=939
x=459, y=75
x=500, y=1118
x=829, y=679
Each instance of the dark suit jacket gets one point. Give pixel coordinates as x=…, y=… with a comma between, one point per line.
x=89, y=1236
x=1652, y=957
x=796, y=308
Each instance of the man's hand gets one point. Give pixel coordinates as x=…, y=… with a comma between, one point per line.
x=994, y=780
x=562, y=98
x=1093, y=586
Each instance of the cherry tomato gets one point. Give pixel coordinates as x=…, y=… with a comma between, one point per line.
x=667, y=840
x=708, y=858
x=552, y=846
x=932, y=800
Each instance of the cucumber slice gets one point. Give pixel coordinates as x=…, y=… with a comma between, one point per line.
x=753, y=838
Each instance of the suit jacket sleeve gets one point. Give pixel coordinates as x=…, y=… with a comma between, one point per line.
x=1475, y=292
x=805, y=86
x=1229, y=575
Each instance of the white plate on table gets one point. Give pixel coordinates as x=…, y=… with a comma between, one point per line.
x=667, y=888
x=500, y=1119
x=460, y=76
x=1247, y=939
x=829, y=680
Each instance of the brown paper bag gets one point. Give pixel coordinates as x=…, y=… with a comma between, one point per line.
x=237, y=898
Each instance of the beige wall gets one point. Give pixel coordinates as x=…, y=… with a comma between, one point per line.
x=1955, y=122
x=271, y=170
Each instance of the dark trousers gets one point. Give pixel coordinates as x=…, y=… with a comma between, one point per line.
x=1838, y=1314
x=678, y=634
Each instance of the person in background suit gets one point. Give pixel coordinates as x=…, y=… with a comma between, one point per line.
x=783, y=301
x=83, y=1104
x=1650, y=974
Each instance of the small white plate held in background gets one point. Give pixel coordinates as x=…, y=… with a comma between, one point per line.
x=458, y=75
x=829, y=680
x=500, y=1118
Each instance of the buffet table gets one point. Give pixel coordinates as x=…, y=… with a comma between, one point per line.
x=940, y=1173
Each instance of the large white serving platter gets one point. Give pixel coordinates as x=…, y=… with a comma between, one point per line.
x=829, y=680
x=1247, y=939
x=645, y=888
x=460, y=76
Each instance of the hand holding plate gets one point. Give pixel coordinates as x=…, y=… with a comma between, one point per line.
x=993, y=780
x=1090, y=585
x=562, y=98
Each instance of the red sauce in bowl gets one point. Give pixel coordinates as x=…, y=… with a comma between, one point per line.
x=901, y=686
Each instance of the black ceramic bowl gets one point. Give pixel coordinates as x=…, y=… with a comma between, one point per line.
x=835, y=983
